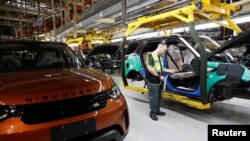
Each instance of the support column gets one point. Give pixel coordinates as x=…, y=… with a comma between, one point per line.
x=8, y=14
x=13, y=22
x=66, y=12
x=202, y=63
x=124, y=21
x=54, y=20
x=83, y=5
x=27, y=18
x=61, y=13
x=74, y=19
x=39, y=16
x=20, y=27
x=16, y=28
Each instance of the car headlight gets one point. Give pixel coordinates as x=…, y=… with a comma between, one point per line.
x=3, y=113
x=6, y=111
x=114, y=92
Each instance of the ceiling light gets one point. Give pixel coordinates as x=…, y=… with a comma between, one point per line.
x=73, y=44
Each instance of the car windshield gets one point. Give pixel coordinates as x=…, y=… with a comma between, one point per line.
x=23, y=56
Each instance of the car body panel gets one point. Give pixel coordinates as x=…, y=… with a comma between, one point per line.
x=213, y=78
x=135, y=64
x=42, y=99
x=195, y=93
x=13, y=130
x=14, y=88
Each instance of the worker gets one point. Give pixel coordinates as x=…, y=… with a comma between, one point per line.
x=155, y=79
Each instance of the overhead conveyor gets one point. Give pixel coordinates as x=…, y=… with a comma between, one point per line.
x=194, y=12
x=88, y=38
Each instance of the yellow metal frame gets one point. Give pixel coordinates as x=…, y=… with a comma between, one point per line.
x=173, y=96
x=211, y=10
x=90, y=37
x=78, y=40
x=94, y=36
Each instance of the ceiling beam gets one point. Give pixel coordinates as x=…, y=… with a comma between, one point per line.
x=20, y=10
x=15, y=19
x=56, y=2
x=4, y=24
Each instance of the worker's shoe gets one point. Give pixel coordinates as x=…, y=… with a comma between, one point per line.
x=153, y=116
x=160, y=113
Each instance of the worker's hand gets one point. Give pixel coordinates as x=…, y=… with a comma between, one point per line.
x=172, y=71
x=162, y=78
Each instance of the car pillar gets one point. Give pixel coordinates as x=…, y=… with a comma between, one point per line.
x=203, y=63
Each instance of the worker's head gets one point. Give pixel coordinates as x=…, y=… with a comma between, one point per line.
x=162, y=47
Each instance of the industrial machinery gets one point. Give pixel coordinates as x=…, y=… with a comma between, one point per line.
x=214, y=80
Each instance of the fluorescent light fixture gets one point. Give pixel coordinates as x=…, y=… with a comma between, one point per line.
x=106, y=20
x=97, y=42
x=47, y=39
x=242, y=19
x=41, y=35
x=116, y=40
x=140, y=36
x=73, y=44
x=145, y=35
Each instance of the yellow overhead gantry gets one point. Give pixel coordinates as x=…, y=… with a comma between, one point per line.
x=199, y=10
x=88, y=38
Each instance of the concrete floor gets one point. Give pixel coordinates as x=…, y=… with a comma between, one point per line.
x=181, y=123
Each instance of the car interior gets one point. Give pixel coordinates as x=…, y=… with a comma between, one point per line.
x=178, y=58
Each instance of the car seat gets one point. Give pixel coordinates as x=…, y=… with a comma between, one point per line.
x=177, y=64
x=174, y=51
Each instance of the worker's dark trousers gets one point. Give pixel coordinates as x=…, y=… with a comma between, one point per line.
x=154, y=97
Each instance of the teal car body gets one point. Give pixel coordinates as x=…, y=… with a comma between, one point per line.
x=217, y=84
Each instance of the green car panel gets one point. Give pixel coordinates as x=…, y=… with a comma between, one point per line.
x=133, y=63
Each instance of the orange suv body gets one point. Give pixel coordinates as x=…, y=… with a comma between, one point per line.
x=47, y=94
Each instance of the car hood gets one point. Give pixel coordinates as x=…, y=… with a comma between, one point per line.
x=241, y=40
x=49, y=85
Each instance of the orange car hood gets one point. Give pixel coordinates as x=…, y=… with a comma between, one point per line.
x=49, y=85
